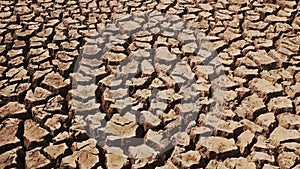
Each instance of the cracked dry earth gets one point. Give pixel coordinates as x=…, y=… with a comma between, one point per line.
x=258, y=45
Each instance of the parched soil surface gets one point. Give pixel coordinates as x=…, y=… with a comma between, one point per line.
x=258, y=43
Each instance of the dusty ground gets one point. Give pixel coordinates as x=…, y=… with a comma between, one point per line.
x=258, y=43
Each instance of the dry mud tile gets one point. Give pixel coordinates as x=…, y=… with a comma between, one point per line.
x=13, y=92
x=93, y=63
x=267, y=121
x=280, y=135
x=37, y=97
x=59, y=37
x=219, y=45
x=10, y=159
x=187, y=160
x=244, y=140
x=271, y=76
x=283, y=27
x=13, y=110
x=203, y=71
x=251, y=107
x=262, y=59
x=287, y=159
x=94, y=122
x=263, y=144
x=244, y=72
x=141, y=155
x=262, y=43
x=73, y=34
x=288, y=120
x=293, y=91
x=260, y=25
x=235, y=53
x=170, y=116
x=77, y=131
x=254, y=128
x=83, y=93
x=37, y=39
x=78, y=79
x=183, y=69
x=115, y=158
x=38, y=75
x=83, y=108
x=139, y=45
x=147, y=67
x=34, y=135
x=156, y=140
x=62, y=137
x=260, y=158
x=167, y=80
x=280, y=104
x=242, y=92
x=247, y=62
x=203, y=90
x=228, y=114
x=138, y=82
x=286, y=51
x=157, y=83
x=35, y=159
x=228, y=129
x=24, y=34
x=265, y=89
x=150, y=120
x=231, y=83
x=121, y=126
x=55, y=104
x=230, y=36
x=53, y=48
x=107, y=99
x=239, y=163
x=54, y=152
x=45, y=32
x=162, y=54
x=3, y=48
x=64, y=68
x=252, y=34
x=16, y=62
x=69, y=46
x=39, y=114
x=181, y=139
x=225, y=59
x=274, y=18
x=56, y=83
x=85, y=155
x=212, y=147
x=289, y=147
x=128, y=26
x=2, y=60
x=8, y=39
x=17, y=75
x=248, y=49
x=8, y=131
x=285, y=74
x=67, y=56
x=56, y=123
x=19, y=44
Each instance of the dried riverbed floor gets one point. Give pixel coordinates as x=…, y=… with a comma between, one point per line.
x=258, y=44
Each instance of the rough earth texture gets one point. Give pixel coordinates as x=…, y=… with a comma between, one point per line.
x=40, y=41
